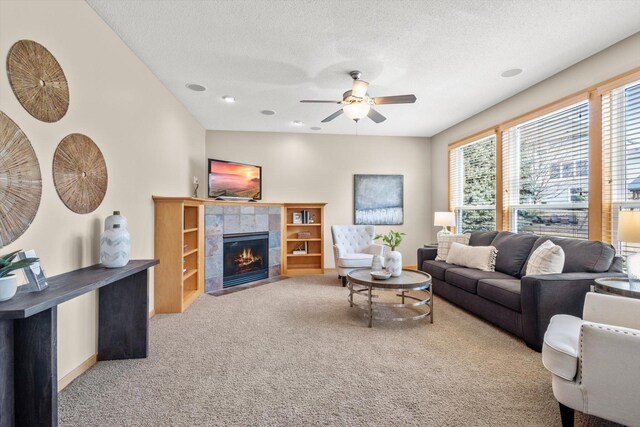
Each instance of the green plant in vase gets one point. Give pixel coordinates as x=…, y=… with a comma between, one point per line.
x=9, y=282
x=392, y=258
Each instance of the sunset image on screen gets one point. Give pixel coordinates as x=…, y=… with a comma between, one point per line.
x=234, y=180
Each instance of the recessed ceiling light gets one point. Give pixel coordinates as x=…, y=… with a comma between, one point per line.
x=229, y=99
x=298, y=123
x=195, y=87
x=512, y=72
x=268, y=112
x=315, y=128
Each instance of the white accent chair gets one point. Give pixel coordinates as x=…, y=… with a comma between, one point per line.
x=595, y=362
x=353, y=248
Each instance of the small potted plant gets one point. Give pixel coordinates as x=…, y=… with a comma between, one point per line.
x=392, y=258
x=9, y=282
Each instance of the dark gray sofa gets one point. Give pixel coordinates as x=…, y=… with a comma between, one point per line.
x=522, y=305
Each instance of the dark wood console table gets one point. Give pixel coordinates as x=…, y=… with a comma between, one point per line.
x=28, y=336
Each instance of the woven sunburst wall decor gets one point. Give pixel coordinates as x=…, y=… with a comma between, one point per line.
x=20, y=181
x=79, y=173
x=38, y=81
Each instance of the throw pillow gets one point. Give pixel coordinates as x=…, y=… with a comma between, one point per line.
x=547, y=259
x=478, y=257
x=445, y=241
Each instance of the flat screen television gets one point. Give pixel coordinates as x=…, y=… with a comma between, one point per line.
x=231, y=180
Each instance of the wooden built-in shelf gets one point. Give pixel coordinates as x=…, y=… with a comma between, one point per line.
x=189, y=296
x=188, y=274
x=179, y=223
x=313, y=261
x=192, y=251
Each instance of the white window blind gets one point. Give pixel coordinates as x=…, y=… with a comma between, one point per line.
x=620, y=159
x=472, y=179
x=546, y=174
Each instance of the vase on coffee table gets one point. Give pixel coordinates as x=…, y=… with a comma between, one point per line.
x=393, y=263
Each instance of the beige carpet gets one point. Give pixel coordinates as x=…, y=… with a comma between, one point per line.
x=294, y=353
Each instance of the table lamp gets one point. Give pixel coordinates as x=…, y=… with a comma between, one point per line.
x=444, y=219
x=629, y=231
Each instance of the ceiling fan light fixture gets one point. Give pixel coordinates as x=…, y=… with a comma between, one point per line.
x=356, y=110
x=359, y=89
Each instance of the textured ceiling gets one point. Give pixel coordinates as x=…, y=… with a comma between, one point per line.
x=269, y=54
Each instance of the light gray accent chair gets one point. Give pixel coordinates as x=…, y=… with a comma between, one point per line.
x=594, y=361
x=353, y=247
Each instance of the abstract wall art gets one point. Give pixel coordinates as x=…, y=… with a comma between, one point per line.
x=379, y=199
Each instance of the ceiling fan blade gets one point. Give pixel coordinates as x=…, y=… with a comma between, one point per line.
x=333, y=116
x=375, y=116
x=398, y=99
x=320, y=102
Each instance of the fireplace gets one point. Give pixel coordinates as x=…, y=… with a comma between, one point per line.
x=246, y=258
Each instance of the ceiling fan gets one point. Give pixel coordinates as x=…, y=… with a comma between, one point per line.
x=357, y=103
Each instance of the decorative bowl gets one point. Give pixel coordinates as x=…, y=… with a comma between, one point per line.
x=380, y=275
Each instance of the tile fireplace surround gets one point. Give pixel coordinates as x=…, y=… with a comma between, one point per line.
x=233, y=219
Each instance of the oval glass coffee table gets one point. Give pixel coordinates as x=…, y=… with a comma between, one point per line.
x=362, y=284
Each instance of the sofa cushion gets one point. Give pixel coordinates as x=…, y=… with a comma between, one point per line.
x=467, y=278
x=580, y=256
x=482, y=238
x=355, y=260
x=436, y=269
x=505, y=292
x=480, y=257
x=446, y=240
x=513, y=251
x=546, y=259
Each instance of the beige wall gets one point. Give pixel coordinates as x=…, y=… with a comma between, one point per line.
x=320, y=168
x=615, y=60
x=151, y=145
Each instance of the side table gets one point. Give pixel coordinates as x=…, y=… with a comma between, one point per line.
x=617, y=286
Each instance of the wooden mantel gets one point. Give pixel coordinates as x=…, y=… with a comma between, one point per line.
x=230, y=202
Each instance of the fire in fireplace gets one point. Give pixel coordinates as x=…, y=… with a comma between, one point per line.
x=246, y=258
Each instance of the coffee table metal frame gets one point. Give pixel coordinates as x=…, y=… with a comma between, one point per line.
x=361, y=283
x=620, y=286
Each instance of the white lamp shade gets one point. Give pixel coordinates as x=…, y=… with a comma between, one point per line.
x=356, y=110
x=359, y=89
x=444, y=219
x=629, y=226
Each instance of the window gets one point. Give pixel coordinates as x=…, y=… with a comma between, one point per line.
x=582, y=167
x=546, y=166
x=472, y=176
x=567, y=170
x=546, y=177
x=621, y=159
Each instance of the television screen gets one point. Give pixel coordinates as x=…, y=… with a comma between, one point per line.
x=234, y=180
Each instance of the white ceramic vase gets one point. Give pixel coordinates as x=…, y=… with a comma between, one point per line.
x=8, y=287
x=115, y=247
x=393, y=262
